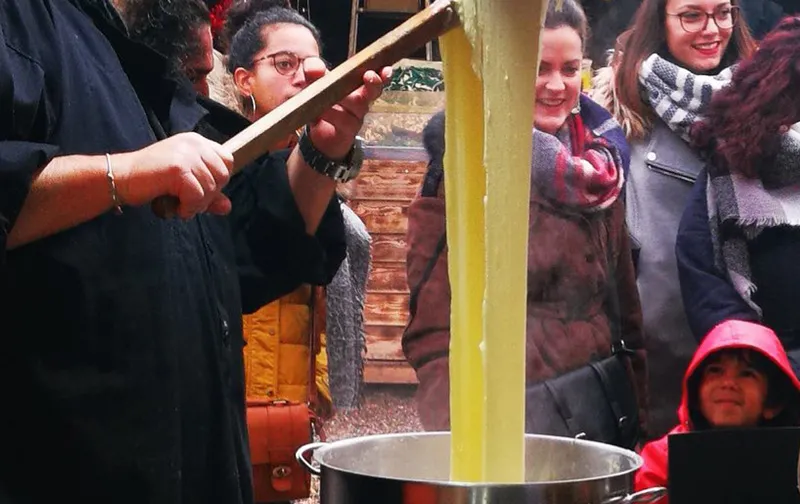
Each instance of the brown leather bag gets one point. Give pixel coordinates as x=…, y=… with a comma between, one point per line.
x=277, y=428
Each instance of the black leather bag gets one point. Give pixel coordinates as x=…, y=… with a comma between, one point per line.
x=595, y=402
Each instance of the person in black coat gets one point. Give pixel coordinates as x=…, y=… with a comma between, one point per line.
x=763, y=15
x=739, y=239
x=122, y=341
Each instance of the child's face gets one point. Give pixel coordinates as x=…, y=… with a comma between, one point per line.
x=733, y=393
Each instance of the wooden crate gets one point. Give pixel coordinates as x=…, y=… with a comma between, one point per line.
x=392, y=173
x=381, y=197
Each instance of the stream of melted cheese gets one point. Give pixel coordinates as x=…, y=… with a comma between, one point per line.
x=490, y=71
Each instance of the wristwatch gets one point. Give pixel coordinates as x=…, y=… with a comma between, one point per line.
x=343, y=170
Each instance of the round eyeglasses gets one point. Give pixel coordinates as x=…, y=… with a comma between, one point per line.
x=695, y=21
x=286, y=62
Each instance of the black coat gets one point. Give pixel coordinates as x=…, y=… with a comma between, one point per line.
x=708, y=294
x=121, y=365
x=763, y=15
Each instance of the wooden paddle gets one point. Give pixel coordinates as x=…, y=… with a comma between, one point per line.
x=311, y=102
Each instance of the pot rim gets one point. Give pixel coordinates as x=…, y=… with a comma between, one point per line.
x=333, y=445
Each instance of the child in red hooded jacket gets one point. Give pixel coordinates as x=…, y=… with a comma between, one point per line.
x=740, y=376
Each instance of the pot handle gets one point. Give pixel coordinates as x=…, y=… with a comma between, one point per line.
x=300, y=456
x=640, y=497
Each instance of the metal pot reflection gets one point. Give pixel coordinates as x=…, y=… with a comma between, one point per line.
x=414, y=469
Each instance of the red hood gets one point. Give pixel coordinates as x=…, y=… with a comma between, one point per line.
x=737, y=334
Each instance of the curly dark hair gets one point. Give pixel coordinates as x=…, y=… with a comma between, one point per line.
x=168, y=27
x=740, y=131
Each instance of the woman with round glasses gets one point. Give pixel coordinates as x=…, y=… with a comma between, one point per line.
x=267, y=56
x=661, y=77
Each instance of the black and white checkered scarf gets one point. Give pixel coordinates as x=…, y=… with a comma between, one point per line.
x=677, y=95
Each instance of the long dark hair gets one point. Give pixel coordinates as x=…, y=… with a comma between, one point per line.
x=249, y=40
x=741, y=129
x=648, y=35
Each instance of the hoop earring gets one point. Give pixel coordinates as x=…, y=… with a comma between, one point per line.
x=253, y=104
x=577, y=108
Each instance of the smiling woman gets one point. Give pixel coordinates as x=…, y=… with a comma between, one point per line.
x=665, y=68
x=698, y=38
x=701, y=36
x=559, y=82
x=578, y=302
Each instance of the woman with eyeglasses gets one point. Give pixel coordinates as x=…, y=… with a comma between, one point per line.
x=662, y=75
x=267, y=56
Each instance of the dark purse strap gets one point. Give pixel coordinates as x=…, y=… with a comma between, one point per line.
x=620, y=351
x=315, y=305
x=618, y=346
x=318, y=313
x=564, y=411
x=610, y=391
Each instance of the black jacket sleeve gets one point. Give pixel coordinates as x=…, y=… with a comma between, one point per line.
x=762, y=16
x=274, y=253
x=708, y=295
x=26, y=116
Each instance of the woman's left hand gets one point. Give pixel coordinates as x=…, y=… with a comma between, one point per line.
x=334, y=132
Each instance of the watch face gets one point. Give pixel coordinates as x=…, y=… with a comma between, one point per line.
x=355, y=161
x=357, y=158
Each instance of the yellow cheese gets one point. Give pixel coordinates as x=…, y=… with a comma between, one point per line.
x=464, y=189
x=490, y=72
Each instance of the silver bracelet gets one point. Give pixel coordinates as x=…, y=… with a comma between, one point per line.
x=117, y=204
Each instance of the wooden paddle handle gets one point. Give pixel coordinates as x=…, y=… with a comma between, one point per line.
x=320, y=95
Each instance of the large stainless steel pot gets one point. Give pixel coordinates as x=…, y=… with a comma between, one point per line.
x=414, y=469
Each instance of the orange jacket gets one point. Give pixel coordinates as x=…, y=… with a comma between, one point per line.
x=276, y=356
